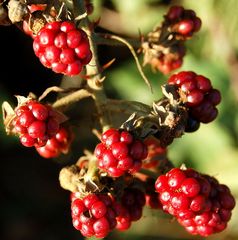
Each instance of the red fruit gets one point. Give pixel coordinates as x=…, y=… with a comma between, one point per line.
x=27, y=140
x=179, y=201
x=26, y=118
x=119, y=152
x=108, y=159
x=39, y=111
x=73, y=68
x=125, y=163
x=52, y=54
x=98, y=209
x=203, y=83
x=185, y=27
x=46, y=37
x=37, y=129
x=93, y=215
x=82, y=50
x=67, y=26
x=126, y=137
x=200, y=203
x=74, y=38
x=77, y=207
x=54, y=26
x=67, y=56
x=175, y=178
x=194, y=98
x=33, y=120
x=101, y=227
x=61, y=40
x=90, y=200
x=198, y=95
x=52, y=126
x=197, y=24
x=190, y=187
x=36, y=7
x=45, y=153
x=59, y=67
x=62, y=47
x=175, y=12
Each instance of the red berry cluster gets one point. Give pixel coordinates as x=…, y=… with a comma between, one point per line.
x=198, y=94
x=56, y=145
x=183, y=21
x=93, y=215
x=167, y=62
x=155, y=153
x=120, y=152
x=62, y=47
x=198, y=201
x=35, y=123
x=97, y=214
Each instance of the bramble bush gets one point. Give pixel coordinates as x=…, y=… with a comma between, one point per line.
x=129, y=168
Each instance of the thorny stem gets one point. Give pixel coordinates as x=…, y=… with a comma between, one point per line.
x=96, y=85
x=93, y=69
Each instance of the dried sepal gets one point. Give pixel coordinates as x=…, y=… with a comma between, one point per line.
x=4, y=20
x=17, y=10
x=8, y=116
x=70, y=179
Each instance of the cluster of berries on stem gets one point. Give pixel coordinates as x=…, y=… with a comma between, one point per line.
x=164, y=49
x=97, y=214
x=198, y=201
x=197, y=93
x=182, y=21
x=35, y=123
x=129, y=167
x=62, y=47
x=119, y=152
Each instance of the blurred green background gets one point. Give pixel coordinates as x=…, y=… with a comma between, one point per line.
x=34, y=206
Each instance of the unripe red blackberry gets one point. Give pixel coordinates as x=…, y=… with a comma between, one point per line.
x=198, y=95
x=60, y=143
x=198, y=201
x=97, y=214
x=62, y=47
x=35, y=123
x=93, y=215
x=120, y=152
x=182, y=21
x=166, y=63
